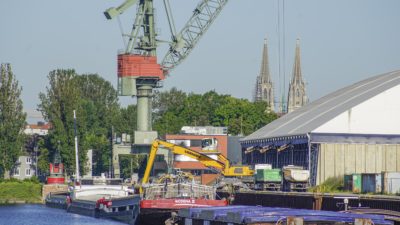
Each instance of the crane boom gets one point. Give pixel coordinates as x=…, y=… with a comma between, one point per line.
x=138, y=70
x=184, y=42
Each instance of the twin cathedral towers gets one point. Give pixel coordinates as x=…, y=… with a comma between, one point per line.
x=264, y=90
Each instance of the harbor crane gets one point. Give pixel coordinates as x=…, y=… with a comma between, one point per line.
x=138, y=70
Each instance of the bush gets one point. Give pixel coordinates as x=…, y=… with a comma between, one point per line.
x=29, y=190
x=14, y=180
x=33, y=179
x=332, y=184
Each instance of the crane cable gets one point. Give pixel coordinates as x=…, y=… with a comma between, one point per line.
x=279, y=56
x=281, y=53
x=284, y=46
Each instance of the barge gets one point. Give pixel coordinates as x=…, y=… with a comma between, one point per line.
x=163, y=200
x=99, y=197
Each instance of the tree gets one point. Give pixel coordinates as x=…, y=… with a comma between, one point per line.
x=44, y=157
x=96, y=104
x=128, y=119
x=57, y=107
x=100, y=111
x=12, y=119
x=168, y=101
x=242, y=116
x=175, y=109
x=168, y=107
x=130, y=164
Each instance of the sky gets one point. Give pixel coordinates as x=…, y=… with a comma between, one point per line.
x=342, y=42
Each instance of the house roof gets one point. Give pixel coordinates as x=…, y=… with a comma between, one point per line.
x=46, y=126
x=309, y=117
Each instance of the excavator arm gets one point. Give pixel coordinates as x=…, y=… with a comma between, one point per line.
x=221, y=164
x=176, y=149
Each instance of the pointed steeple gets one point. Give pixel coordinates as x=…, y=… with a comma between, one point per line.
x=264, y=90
x=297, y=78
x=297, y=96
x=264, y=71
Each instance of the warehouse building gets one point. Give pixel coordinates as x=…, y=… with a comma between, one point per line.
x=353, y=130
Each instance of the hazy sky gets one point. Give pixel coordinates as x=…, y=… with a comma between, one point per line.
x=342, y=41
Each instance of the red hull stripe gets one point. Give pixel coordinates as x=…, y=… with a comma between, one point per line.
x=180, y=203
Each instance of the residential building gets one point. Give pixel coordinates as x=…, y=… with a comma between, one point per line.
x=26, y=165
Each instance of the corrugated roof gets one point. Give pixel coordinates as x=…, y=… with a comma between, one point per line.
x=311, y=116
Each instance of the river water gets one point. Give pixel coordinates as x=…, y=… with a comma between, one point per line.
x=42, y=215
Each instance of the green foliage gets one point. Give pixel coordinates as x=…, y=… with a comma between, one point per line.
x=97, y=109
x=127, y=119
x=331, y=185
x=130, y=164
x=15, y=190
x=12, y=119
x=57, y=107
x=174, y=109
x=44, y=157
x=33, y=179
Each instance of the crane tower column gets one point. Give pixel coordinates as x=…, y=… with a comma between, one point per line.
x=144, y=96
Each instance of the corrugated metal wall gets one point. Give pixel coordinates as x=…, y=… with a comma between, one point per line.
x=335, y=160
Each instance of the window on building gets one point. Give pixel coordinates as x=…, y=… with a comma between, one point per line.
x=159, y=158
x=27, y=172
x=266, y=97
x=195, y=172
x=16, y=172
x=195, y=143
x=28, y=160
x=208, y=171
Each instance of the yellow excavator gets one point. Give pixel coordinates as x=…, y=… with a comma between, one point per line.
x=221, y=164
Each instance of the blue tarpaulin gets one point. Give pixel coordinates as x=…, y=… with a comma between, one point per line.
x=256, y=214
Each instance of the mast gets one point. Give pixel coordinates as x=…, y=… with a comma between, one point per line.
x=76, y=152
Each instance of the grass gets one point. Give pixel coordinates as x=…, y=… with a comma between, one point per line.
x=331, y=185
x=27, y=191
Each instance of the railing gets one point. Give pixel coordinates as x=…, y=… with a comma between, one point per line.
x=169, y=191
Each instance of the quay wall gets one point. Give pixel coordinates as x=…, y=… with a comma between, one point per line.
x=53, y=188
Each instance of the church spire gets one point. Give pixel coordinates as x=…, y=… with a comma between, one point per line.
x=264, y=90
x=264, y=71
x=297, y=90
x=297, y=78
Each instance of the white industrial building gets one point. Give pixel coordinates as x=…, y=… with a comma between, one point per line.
x=353, y=130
